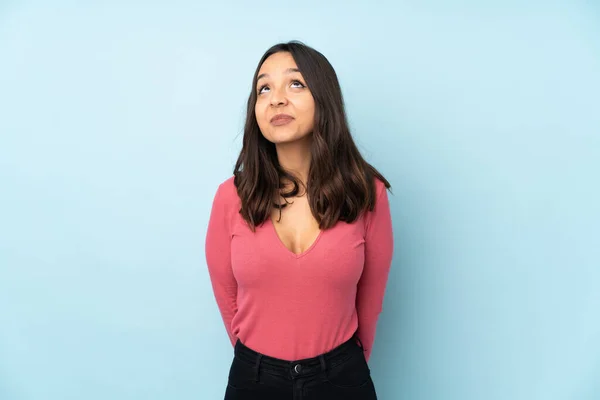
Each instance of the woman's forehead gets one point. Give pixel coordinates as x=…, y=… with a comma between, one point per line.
x=279, y=62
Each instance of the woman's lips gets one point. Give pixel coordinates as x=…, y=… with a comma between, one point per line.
x=281, y=121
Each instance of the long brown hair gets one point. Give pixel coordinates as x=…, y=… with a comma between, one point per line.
x=340, y=183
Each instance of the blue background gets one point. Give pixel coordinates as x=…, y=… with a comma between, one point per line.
x=118, y=120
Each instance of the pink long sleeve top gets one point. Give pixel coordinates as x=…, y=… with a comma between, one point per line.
x=294, y=306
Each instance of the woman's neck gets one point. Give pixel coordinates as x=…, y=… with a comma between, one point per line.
x=295, y=157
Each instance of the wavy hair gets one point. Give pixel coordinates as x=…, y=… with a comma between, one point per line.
x=340, y=183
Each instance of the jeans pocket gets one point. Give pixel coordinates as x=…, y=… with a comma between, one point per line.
x=242, y=375
x=350, y=374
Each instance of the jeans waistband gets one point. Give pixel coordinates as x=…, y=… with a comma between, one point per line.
x=299, y=368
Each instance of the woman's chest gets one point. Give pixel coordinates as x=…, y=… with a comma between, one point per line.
x=334, y=259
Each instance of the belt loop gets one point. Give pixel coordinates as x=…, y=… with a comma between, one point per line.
x=322, y=360
x=323, y=366
x=258, y=366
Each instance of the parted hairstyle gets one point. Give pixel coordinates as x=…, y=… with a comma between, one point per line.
x=340, y=183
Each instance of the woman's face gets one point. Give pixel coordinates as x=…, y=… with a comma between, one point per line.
x=281, y=89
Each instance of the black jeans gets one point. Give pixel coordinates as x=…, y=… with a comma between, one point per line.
x=341, y=373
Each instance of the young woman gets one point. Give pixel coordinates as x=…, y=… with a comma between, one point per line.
x=299, y=242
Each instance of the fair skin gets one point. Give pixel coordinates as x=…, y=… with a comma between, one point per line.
x=281, y=89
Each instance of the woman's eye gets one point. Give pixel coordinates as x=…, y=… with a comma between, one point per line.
x=294, y=82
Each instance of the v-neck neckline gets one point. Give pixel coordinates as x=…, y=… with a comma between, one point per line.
x=285, y=248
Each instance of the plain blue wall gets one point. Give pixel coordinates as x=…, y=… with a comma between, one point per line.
x=118, y=121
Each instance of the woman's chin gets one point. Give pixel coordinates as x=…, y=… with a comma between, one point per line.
x=286, y=139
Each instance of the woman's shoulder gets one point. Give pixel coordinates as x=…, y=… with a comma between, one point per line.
x=228, y=184
x=380, y=189
x=227, y=192
x=379, y=185
x=381, y=196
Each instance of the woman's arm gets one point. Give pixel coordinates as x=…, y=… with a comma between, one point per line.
x=218, y=258
x=379, y=244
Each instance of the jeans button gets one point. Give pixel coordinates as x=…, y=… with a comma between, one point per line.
x=298, y=368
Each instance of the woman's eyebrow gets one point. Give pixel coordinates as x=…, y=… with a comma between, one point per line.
x=287, y=71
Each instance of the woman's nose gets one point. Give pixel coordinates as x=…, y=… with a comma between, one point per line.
x=277, y=98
